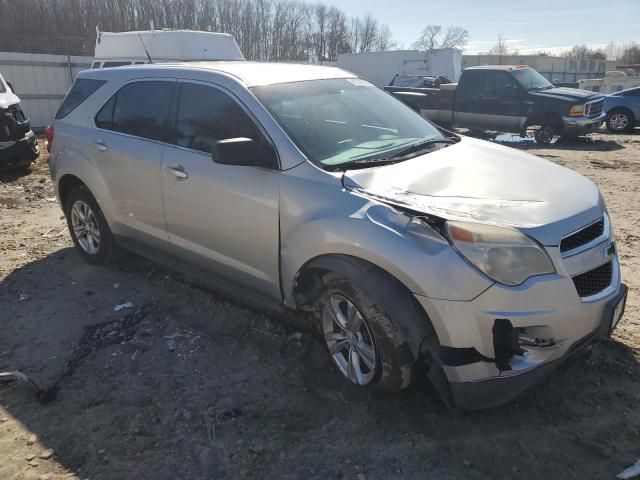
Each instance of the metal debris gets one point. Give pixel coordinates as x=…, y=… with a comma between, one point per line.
x=631, y=472
x=122, y=306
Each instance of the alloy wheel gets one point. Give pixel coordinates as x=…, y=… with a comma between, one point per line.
x=619, y=121
x=85, y=227
x=349, y=340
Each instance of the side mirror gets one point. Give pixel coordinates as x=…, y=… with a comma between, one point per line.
x=244, y=151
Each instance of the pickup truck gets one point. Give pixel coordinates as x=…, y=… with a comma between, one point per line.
x=507, y=98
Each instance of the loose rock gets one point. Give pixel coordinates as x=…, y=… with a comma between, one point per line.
x=46, y=454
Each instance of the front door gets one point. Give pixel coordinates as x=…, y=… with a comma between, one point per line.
x=221, y=219
x=500, y=104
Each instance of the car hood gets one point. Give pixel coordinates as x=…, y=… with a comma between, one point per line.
x=564, y=93
x=481, y=181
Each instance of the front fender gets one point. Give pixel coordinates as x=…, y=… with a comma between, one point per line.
x=417, y=256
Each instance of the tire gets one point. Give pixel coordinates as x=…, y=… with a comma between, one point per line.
x=620, y=121
x=92, y=237
x=371, y=350
x=544, y=135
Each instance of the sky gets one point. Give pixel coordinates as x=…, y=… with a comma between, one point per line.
x=530, y=26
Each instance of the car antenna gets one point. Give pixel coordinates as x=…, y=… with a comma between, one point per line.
x=145, y=48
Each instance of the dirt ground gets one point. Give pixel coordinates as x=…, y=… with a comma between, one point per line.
x=188, y=384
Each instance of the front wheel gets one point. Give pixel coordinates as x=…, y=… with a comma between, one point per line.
x=619, y=121
x=363, y=340
x=544, y=135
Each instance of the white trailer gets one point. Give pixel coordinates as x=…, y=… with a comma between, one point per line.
x=613, y=81
x=126, y=48
x=380, y=67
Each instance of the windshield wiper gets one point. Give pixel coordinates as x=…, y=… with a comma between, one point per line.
x=364, y=163
x=417, y=147
x=404, y=154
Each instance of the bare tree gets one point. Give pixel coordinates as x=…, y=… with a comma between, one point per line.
x=429, y=38
x=264, y=29
x=455, y=37
x=583, y=51
x=630, y=54
x=503, y=48
x=369, y=33
x=385, y=39
x=432, y=37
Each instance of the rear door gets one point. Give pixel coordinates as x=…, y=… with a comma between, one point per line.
x=128, y=143
x=222, y=219
x=466, y=104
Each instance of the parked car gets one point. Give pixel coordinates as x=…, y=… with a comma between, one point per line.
x=623, y=110
x=417, y=81
x=18, y=145
x=307, y=188
x=509, y=99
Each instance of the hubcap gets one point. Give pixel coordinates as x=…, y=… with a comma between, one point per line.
x=349, y=340
x=85, y=227
x=544, y=134
x=619, y=121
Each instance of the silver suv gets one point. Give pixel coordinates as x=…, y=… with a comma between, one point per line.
x=308, y=188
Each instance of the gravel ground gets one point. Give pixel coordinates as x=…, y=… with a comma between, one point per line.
x=189, y=384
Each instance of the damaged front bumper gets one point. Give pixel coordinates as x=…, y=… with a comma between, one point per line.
x=18, y=144
x=20, y=153
x=506, y=340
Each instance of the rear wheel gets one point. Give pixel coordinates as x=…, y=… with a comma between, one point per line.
x=619, y=121
x=88, y=228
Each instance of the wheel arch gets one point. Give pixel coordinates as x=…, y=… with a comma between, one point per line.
x=622, y=108
x=373, y=279
x=66, y=183
x=552, y=119
x=417, y=333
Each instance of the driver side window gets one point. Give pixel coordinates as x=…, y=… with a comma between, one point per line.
x=206, y=115
x=495, y=83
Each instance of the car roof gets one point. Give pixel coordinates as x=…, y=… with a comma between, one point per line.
x=499, y=67
x=250, y=73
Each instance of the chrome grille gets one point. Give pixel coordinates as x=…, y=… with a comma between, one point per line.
x=594, y=109
x=594, y=281
x=583, y=236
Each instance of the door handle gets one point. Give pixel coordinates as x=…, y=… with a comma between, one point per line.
x=100, y=145
x=177, y=171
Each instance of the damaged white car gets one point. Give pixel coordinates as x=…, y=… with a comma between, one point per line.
x=18, y=145
x=306, y=187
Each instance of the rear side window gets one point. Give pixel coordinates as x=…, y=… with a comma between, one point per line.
x=140, y=109
x=206, y=115
x=472, y=81
x=81, y=90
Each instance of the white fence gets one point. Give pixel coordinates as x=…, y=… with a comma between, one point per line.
x=41, y=81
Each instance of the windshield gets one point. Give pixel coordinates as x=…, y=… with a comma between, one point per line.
x=529, y=79
x=2, y=87
x=336, y=121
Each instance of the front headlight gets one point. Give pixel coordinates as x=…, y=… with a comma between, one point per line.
x=576, y=111
x=503, y=254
